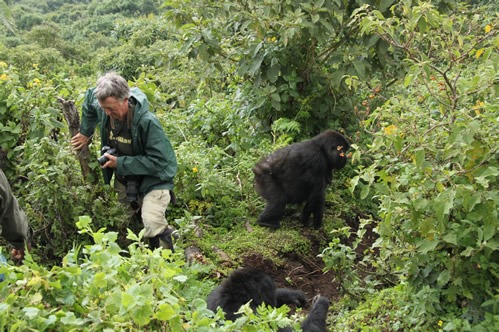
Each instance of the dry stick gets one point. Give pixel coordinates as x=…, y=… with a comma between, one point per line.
x=73, y=120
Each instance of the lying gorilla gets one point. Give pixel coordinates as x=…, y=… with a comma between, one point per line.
x=299, y=173
x=249, y=284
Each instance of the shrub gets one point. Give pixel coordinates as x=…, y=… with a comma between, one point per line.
x=103, y=287
x=434, y=145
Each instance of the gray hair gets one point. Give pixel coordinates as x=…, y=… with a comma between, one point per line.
x=111, y=85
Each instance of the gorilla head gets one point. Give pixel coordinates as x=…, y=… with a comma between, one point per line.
x=299, y=173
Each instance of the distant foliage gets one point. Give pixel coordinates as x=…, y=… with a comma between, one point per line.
x=299, y=60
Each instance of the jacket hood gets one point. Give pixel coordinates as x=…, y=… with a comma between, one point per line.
x=141, y=99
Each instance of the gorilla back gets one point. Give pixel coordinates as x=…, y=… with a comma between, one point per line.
x=299, y=173
x=241, y=287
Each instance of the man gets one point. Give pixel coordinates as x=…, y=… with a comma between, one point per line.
x=13, y=224
x=144, y=159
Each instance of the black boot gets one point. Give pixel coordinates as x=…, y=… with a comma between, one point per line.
x=164, y=239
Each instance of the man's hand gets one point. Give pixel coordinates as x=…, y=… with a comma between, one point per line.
x=112, y=162
x=17, y=254
x=79, y=141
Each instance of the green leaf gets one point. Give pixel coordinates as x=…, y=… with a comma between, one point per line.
x=127, y=300
x=426, y=245
x=319, y=3
x=110, y=237
x=142, y=314
x=378, y=14
x=181, y=278
x=255, y=49
x=165, y=312
x=444, y=203
x=443, y=278
x=364, y=192
x=31, y=312
x=408, y=79
x=208, y=39
x=419, y=157
x=492, y=244
x=113, y=302
x=255, y=65
x=71, y=319
x=450, y=238
x=489, y=231
x=83, y=222
x=468, y=252
x=360, y=68
x=385, y=4
x=98, y=237
x=273, y=73
x=470, y=200
x=353, y=183
x=131, y=235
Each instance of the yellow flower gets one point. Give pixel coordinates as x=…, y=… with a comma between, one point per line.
x=194, y=170
x=488, y=27
x=3, y=64
x=478, y=106
x=390, y=130
x=4, y=77
x=35, y=65
x=33, y=83
x=440, y=323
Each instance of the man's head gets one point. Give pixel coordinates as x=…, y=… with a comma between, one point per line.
x=112, y=92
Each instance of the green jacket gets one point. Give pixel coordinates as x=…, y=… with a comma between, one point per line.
x=13, y=224
x=154, y=159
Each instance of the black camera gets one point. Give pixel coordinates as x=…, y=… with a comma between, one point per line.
x=132, y=190
x=106, y=149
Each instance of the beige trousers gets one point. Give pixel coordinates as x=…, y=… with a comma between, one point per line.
x=154, y=205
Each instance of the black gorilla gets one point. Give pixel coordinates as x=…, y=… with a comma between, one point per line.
x=316, y=319
x=299, y=173
x=249, y=284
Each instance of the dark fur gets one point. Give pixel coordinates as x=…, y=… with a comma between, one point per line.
x=241, y=287
x=290, y=297
x=299, y=173
x=316, y=319
x=249, y=284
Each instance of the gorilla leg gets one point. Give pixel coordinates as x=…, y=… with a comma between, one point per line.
x=274, y=210
x=305, y=214
x=314, y=205
x=316, y=319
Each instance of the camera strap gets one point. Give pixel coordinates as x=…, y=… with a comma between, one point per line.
x=120, y=133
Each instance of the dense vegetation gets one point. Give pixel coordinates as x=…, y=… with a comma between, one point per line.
x=412, y=84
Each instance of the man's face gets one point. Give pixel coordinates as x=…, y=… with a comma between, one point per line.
x=114, y=107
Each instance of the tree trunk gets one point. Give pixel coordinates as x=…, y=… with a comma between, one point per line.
x=73, y=120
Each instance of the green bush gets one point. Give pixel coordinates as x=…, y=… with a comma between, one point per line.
x=101, y=287
x=54, y=194
x=434, y=147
